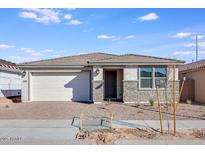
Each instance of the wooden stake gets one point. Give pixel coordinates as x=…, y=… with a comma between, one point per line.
x=181, y=89
x=81, y=120
x=174, y=100
x=111, y=118
x=159, y=109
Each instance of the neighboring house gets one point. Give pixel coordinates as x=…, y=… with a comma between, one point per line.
x=10, y=79
x=195, y=76
x=96, y=77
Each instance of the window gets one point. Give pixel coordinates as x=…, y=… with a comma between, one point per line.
x=152, y=77
x=160, y=77
x=146, y=77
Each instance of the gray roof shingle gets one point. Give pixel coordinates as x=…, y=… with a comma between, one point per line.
x=134, y=58
x=192, y=66
x=8, y=66
x=71, y=60
x=85, y=59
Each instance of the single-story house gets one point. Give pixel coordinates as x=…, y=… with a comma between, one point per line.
x=10, y=79
x=195, y=75
x=95, y=77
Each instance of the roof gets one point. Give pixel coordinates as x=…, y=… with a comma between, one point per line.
x=8, y=66
x=78, y=60
x=134, y=58
x=192, y=66
x=98, y=58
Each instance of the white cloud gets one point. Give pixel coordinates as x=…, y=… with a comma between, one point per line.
x=200, y=44
x=182, y=35
x=183, y=53
x=55, y=56
x=186, y=53
x=105, y=37
x=149, y=17
x=68, y=16
x=115, y=38
x=47, y=50
x=75, y=22
x=189, y=45
x=198, y=36
x=130, y=37
x=81, y=53
x=31, y=51
x=30, y=15
x=70, y=8
x=20, y=59
x=44, y=16
x=47, y=16
x=188, y=34
x=6, y=46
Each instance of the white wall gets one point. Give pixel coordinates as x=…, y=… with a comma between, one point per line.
x=27, y=81
x=10, y=84
x=25, y=87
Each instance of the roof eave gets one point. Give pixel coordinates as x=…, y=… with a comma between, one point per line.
x=191, y=70
x=51, y=66
x=11, y=70
x=134, y=63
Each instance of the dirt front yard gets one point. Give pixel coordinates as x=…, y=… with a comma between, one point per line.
x=67, y=110
x=110, y=136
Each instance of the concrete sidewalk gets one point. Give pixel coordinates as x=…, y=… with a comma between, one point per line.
x=181, y=124
x=62, y=132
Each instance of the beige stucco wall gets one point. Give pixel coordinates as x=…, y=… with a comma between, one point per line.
x=199, y=79
x=170, y=74
x=130, y=74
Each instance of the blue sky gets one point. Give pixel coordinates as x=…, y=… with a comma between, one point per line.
x=33, y=34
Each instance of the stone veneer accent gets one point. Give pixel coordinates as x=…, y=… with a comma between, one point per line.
x=132, y=93
x=98, y=91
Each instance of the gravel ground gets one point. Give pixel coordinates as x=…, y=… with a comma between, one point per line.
x=67, y=110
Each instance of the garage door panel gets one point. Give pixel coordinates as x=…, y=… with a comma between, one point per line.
x=61, y=86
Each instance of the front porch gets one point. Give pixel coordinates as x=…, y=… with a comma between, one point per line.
x=113, y=86
x=107, y=84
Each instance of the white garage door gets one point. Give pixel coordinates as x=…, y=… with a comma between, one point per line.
x=60, y=86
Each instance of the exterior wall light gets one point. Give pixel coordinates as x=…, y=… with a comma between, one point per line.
x=23, y=73
x=97, y=71
x=184, y=78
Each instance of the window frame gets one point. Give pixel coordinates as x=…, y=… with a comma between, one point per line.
x=153, y=77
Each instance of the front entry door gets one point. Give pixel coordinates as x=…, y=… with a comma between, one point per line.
x=110, y=84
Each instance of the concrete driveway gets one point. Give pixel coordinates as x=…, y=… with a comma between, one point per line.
x=38, y=132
